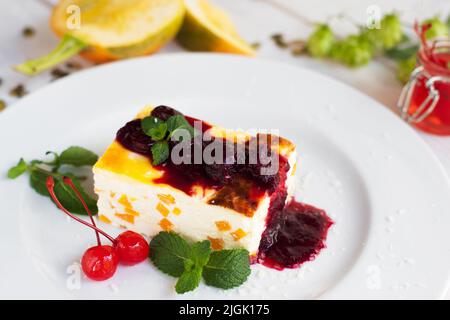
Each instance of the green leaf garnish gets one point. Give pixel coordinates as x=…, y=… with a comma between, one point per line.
x=160, y=152
x=161, y=131
x=68, y=198
x=175, y=256
x=201, y=252
x=154, y=128
x=39, y=171
x=19, y=169
x=78, y=157
x=37, y=181
x=189, y=280
x=169, y=253
x=179, y=122
x=227, y=269
x=158, y=133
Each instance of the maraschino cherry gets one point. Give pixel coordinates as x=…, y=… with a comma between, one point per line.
x=132, y=248
x=100, y=262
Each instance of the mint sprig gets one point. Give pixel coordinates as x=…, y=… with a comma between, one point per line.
x=160, y=152
x=174, y=256
x=39, y=170
x=78, y=157
x=227, y=269
x=19, y=169
x=170, y=252
x=162, y=131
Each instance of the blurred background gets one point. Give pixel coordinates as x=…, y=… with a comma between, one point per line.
x=256, y=20
x=277, y=29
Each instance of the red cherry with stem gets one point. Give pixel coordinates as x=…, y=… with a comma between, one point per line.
x=132, y=248
x=129, y=247
x=69, y=182
x=50, y=183
x=99, y=263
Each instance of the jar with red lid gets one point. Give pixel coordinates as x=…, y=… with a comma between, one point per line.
x=425, y=100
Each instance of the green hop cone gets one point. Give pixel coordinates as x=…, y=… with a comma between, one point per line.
x=320, y=42
x=405, y=68
x=388, y=35
x=438, y=28
x=353, y=51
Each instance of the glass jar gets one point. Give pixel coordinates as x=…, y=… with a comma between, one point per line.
x=425, y=99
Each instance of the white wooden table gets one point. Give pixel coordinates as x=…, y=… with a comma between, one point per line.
x=257, y=21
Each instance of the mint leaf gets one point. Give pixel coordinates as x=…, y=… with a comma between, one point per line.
x=227, y=269
x=70, y=201
x=78, y=157
x=63, y=192
x=37, y=181
x=19, y=169
x=179, y=122
x=170, y=253
x=154, y=128
x=189, y=280
x=201, y=252
x=158, y=133
x=160, y=152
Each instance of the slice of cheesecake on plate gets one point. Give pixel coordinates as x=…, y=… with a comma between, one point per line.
x=228, y=202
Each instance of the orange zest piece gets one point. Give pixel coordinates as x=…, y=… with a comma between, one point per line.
x=162, y=209
x=104, y=219
x=125, y=202
x=238, y=234
x=216, y=243
x=223, y=226
x=166, y=198
x=132, y=212
x=126, y=217
x=165, y=224
x=176, y=211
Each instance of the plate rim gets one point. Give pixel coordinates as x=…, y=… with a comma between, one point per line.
x=11, y=112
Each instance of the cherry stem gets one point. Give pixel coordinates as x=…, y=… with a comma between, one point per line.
x=69, y=182
x=50, y=183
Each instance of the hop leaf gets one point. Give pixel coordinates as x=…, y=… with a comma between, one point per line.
x=320, y=42
x=388, y=35
x=438, y=28
x=353, y=51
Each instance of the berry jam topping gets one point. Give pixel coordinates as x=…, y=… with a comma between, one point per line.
x=132, y=137
x=100, y=262
x=164, y=112
x=184, y=176
x=294, y=235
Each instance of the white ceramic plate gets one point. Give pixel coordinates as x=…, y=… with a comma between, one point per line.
x=386, y=192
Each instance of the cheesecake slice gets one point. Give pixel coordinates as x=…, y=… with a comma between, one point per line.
x=229, y=202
